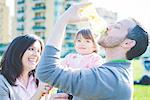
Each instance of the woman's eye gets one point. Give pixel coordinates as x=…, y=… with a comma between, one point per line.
x=38, y=51
x=31, y=49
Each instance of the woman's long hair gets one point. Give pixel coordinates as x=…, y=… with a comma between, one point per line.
x=11, y=63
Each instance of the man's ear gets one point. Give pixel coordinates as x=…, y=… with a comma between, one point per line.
x=128, y=44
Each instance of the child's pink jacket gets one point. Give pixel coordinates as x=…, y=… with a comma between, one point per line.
x=82, y=61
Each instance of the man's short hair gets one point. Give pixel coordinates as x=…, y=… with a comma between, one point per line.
x=141, y=37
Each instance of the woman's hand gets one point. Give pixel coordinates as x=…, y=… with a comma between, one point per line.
x=59, y=96
x=44, y=88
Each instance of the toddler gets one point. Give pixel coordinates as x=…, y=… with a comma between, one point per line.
x=86, y=48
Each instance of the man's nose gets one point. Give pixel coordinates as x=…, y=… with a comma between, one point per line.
x=109, y=27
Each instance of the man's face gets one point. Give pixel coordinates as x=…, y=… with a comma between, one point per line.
x=116, y=34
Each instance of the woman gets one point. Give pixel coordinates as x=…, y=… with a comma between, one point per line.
x=17, y=79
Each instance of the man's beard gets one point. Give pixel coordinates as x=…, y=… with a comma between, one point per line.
x=109, y=41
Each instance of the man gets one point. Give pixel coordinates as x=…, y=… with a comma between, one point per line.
x=113, y=80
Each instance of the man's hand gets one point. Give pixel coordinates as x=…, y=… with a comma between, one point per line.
x=73, y=14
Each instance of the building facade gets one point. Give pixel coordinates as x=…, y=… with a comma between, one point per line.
x=34, y=17
x=4, y=23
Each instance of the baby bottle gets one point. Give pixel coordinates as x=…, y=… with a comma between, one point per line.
x=97, y=23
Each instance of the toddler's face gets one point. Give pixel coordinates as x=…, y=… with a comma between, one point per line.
x=84, y=46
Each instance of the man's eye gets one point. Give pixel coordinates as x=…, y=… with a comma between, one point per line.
x=117, y=27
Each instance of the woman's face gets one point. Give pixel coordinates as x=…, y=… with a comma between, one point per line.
x=31, y=56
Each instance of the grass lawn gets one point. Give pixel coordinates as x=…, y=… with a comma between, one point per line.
x=140, y=92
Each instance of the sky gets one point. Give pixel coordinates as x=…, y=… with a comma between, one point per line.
x=10, y=4
x=138, y=9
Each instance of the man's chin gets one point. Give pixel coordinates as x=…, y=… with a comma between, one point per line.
x=101, y=42
x=105, y=45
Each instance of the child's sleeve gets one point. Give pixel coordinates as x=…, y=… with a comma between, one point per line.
x=65, y=61
x=96, y=61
